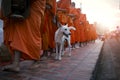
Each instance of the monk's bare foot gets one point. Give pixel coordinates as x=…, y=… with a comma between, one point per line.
x=35, y=65
x=11, y=68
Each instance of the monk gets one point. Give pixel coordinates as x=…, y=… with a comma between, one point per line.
x=23, y=37
x=48, y=28
x=64, y=4
x=64, y=15
x=93, y=33
x=76, y=22
x=90, y=32
x=82, y=25
x=87, y=31
x=70, y=23
x=63, y=7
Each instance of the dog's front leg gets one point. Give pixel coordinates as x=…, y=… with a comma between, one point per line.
x=62, y=46
x=69, y=45
x=60, y=52
x=57, y=47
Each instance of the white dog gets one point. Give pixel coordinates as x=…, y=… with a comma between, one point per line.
x=63, y=33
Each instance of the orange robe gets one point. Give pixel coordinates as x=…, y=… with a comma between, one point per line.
x=25, y=36
x=52, y=26
x=70, y=23
x=82, y=25
x=49, y=28
x=64, y=4
x=64, y=18
x=87, y=31
x=93, y=32
x=76, y=23
x=90, y=32
x=62, y=15
x=92, y=35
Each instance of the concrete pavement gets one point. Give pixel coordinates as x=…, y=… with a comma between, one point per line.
x=108, y=65
x=79, y=66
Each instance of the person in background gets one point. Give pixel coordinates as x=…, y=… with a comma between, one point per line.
x=48, y=29
x=117, y=31
x=76, y=22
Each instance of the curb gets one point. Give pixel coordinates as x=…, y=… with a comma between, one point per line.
x=95, y=71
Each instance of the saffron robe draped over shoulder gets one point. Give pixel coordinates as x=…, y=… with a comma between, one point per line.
x=62, y=15
x=64, y=4
x=25, y=36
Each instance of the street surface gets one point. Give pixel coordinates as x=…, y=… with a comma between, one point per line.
x=79, y=66
x=108, y=67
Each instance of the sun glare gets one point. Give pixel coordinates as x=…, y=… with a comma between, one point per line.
x=100, y=11
x=104, y=12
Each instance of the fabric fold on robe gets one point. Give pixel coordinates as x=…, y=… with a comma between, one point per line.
x=24, y=35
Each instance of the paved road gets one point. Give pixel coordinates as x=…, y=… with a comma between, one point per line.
x=79, y=66
x=109, y=62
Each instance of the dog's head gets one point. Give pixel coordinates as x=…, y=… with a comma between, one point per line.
x=66, y=30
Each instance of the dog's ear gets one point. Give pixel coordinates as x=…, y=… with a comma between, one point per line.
x=66, y=25
x=59, y=24
x=71, y=27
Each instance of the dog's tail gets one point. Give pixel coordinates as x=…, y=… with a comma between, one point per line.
x=72, y=28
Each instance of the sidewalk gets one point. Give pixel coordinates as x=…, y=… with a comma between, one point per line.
x=77, y=67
